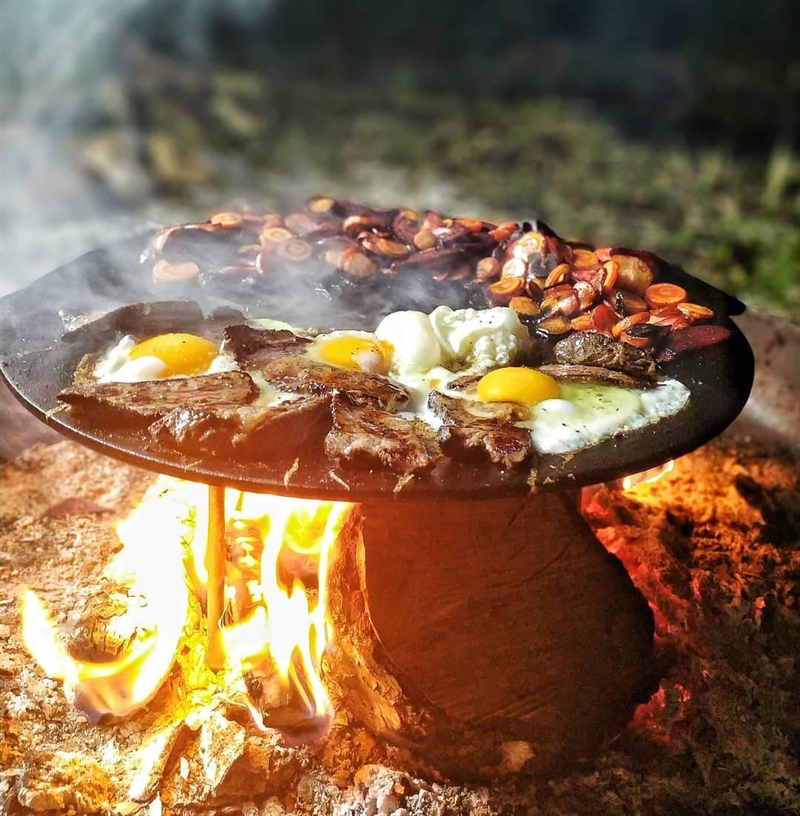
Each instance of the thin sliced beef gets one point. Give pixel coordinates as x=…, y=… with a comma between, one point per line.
x=248, y=431
x=364, y=435
x=482, y=428
x=144, y=402
x=594, y=375
x=594, y=349
x=465, y=383
x=281, y=357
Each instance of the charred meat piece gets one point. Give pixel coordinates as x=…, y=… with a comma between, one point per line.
x=594, y=349
x=364, y=435
x=475, y=428
x=280, y=357
x=594, y=375
x=143, y=402
x=249, y=431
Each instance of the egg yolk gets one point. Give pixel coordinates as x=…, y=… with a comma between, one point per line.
x=517, y=385
x=185, y=354
x=357, y=354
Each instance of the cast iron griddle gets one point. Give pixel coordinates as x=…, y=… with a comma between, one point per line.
x=38, y=359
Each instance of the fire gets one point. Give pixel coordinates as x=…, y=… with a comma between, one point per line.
x=651, y=475
x=286, y=625
x=274, y=553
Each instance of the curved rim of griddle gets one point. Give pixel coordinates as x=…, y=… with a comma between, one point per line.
x=37, y=362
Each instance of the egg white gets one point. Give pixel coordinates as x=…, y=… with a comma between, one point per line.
x=587, y=414
x=116, y=365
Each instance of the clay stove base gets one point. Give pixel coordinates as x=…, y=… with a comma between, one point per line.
x=490, y=636
x=713, y=546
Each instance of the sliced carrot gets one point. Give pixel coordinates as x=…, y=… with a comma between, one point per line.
x=472, y=224
x=524, y=305
x=582, y=322
x=624, y=324
x=639, y=342
x=528, y=244
x=227, y=219
x=504, y=231
x=669, y=317
x=275, y=235
x=664, y=294
x=694, y=312
x=507, y=287
x=611, y=268
x=581, y=258
x=557, y=275
x=558, y=324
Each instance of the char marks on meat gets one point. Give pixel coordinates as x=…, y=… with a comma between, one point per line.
x=143, y=402
x=280, y=357
x=594, y=375
x=595, y=349
x=476, y=428
x=250, y=431
x=364, y=435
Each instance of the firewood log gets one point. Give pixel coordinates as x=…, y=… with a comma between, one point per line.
x=488, y=636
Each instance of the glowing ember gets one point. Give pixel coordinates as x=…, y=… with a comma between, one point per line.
x=276, y=559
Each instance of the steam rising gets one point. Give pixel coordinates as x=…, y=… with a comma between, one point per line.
x=80, y=167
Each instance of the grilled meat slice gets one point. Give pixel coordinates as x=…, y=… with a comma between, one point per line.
x=472, y=427
x=143, y=402
x=367, y=435
x=253, y=345
x=595, y=375
x=468, y=382
x=248, y=431
x=594, y=349
x=280, y=357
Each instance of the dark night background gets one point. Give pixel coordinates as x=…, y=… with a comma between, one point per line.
x=669, y=125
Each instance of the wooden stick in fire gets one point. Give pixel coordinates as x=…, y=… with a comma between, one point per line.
x=215, y=564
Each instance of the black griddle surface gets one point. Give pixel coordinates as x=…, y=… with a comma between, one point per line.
x=37, y=359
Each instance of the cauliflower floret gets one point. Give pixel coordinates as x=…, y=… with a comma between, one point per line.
x=479, y=340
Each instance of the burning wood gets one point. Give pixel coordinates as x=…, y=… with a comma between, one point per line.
x=127, y=637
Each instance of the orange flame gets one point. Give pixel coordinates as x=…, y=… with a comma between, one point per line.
x=282, y=622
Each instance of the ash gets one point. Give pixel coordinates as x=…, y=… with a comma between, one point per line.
x=713, y=546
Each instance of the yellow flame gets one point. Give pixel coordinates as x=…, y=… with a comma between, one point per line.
x=651, y=475
x=289, y=627
x=163, y=555
x=151, y=567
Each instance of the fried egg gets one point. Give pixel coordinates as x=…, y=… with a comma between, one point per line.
x=354, y=350
x=160, y=357
x=583, y=414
